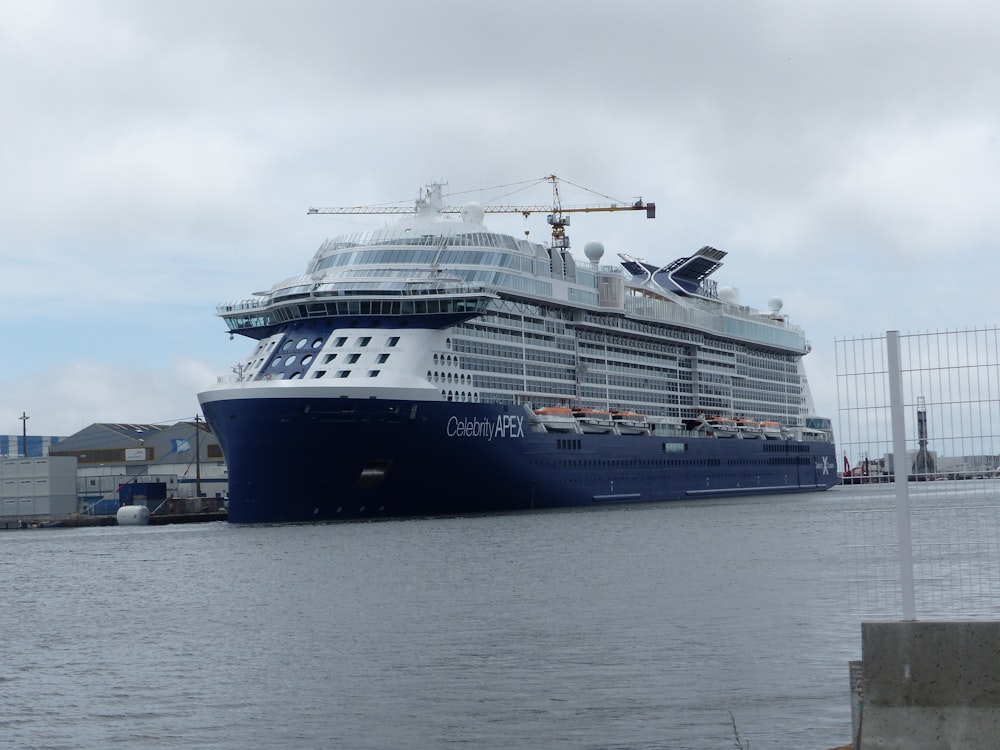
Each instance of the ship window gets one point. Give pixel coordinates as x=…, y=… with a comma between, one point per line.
x=364, y=340
x=317, y=343
x=319, y=373
x=352, y=358
x=373, y=373
x=307, y=359
x=340, y=341
x=393, y=340
x=300, y=343
x=290, y=360
x=286, y=345
x=276, y=363
x=329, y=358
x=296, y=376
x=381, y=358
x=343, y=373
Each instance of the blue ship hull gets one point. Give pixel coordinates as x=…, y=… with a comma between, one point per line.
x=314, y=458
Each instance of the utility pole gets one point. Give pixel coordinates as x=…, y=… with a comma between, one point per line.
x=197, y=455
x=24, y=433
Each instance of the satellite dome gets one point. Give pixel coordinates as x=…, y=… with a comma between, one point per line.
x=729, y=294
x=775, y=304
x=473, y=213
x=594, y=251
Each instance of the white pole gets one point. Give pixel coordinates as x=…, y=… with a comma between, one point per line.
x=901, y=471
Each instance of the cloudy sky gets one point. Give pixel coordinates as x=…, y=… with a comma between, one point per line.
x=157, y=159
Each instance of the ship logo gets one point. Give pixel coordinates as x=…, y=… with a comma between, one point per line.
x=825, y=466
x=506, y=426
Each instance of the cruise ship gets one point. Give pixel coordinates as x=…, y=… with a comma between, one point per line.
x=435, y=366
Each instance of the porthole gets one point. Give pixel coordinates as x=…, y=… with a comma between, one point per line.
x=307, y=359
x=289, y=360
x=317, y=343
x=300, y=343
x=286, y=346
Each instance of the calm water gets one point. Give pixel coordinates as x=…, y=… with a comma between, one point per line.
x=627, y=627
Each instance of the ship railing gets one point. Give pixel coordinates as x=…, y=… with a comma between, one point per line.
x=732, y=323
x=412, y=288
x=652, y=306
x=242, y=305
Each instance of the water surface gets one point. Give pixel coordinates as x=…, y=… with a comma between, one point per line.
x=624, y=627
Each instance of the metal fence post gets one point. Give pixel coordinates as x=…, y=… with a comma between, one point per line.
x=900, y=471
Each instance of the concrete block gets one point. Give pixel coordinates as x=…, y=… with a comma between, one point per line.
x=930, y=685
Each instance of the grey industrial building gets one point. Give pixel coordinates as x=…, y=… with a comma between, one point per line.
x=89, y=472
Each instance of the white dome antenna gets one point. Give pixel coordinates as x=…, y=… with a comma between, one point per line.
x=473, y=213
x=594, y=252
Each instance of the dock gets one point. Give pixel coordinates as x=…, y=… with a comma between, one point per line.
x=82, y=521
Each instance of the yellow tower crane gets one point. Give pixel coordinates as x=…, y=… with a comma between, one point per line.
x=557, y=217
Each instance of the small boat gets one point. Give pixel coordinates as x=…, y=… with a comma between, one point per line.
x=556, y=419
x=630, y=423
x=723, y=427
x=594, y=422
x=771, y=430
x=748, y=428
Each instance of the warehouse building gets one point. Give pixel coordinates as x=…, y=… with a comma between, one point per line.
x=116, y=460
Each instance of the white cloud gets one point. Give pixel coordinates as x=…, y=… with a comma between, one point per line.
x=156, y=159
x=67, y=398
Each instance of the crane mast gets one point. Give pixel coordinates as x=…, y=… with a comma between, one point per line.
x=557, y=215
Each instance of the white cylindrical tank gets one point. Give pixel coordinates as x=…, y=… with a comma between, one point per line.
x=133, y=515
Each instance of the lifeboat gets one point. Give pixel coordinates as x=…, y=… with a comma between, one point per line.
x=594, y=422
x=771, y=430
x=748, y=428
x=630, y=423
x=723, y=427
x=557, y=419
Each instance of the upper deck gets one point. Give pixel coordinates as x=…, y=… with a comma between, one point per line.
x=400, y=270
